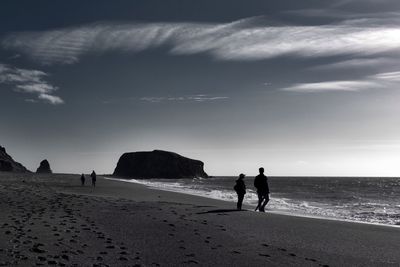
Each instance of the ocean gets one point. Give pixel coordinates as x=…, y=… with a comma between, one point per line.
x=359, y=199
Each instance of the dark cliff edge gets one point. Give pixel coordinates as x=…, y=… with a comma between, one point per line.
x=158, y=164
x=7, y=164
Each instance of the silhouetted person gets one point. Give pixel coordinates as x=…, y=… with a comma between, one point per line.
x=261, y=183
x=240, y=188
x=93, y=175
x=83, y=179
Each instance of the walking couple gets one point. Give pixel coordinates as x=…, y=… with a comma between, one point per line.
x=260, y=183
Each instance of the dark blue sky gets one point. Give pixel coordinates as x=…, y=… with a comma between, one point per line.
x=299, y=87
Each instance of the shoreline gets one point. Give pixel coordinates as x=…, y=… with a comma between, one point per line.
x=248, y=207
x=127, y=224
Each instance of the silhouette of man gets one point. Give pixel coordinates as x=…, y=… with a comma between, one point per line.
x=93, y=175
x=82, y=179
x=261, y=183
x=240, y=188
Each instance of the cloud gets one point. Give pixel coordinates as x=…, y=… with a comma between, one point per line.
x=379, y=80
x=331, y=86
x=40, y=88
x=30, y=100
x=364, y=18
x=248, y=39
x=55, y=100
x=376, y=63
x=389, y=76
x=194, y=98
x=29, y=81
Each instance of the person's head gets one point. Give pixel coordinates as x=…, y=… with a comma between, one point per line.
x=261, y=170
x=241, y=176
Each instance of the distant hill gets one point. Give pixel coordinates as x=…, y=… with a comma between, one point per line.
x=7, y=163
x=158, y=164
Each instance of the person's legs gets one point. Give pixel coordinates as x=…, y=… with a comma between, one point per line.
x=240, y=201
x=260, y=200
x=266, y=200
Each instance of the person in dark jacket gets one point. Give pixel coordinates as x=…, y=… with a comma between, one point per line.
x=93, y=175
x=240, y=188
x=261, y=184
x=82, y=179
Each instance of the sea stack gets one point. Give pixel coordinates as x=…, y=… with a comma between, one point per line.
x=158, y=164
x=7, y=164
x=44, y=167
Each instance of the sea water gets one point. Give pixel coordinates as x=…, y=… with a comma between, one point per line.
x=361, y=199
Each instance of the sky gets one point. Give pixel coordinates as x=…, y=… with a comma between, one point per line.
x=298, y=87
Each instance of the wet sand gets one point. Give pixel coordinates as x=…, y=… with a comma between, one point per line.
x=52, y=220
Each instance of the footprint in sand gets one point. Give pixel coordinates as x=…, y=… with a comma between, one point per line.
x=41, y=258
x=65, y=257
x=310, y=259
x=191, y=262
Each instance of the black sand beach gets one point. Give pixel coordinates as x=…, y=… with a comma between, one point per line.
x=52, y=220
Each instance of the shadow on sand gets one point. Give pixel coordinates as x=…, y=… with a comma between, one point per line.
x=220, y=211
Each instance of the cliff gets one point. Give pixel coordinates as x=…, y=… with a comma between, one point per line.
x=7, y=164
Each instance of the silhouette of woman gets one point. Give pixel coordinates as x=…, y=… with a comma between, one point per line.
x=82, y=179
x=240, y=188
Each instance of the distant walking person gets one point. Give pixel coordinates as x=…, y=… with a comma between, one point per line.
x=261, y=183
x=240, y=188
x=93, y=175
x=83, y=179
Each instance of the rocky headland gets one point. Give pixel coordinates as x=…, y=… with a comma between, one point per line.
x=158, y=164
x=8, y=164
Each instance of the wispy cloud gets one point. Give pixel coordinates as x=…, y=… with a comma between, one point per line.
x=193, y=98
x=389, y=76
x=376, y=63
x=331, y=86
x=362, y=18
x=55, y=100
x=240, y=40
x=29, y=81
x=380, y=80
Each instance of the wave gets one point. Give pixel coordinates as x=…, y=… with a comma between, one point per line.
x=369, y=212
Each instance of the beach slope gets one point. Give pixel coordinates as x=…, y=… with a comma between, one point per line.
x=49, y=219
